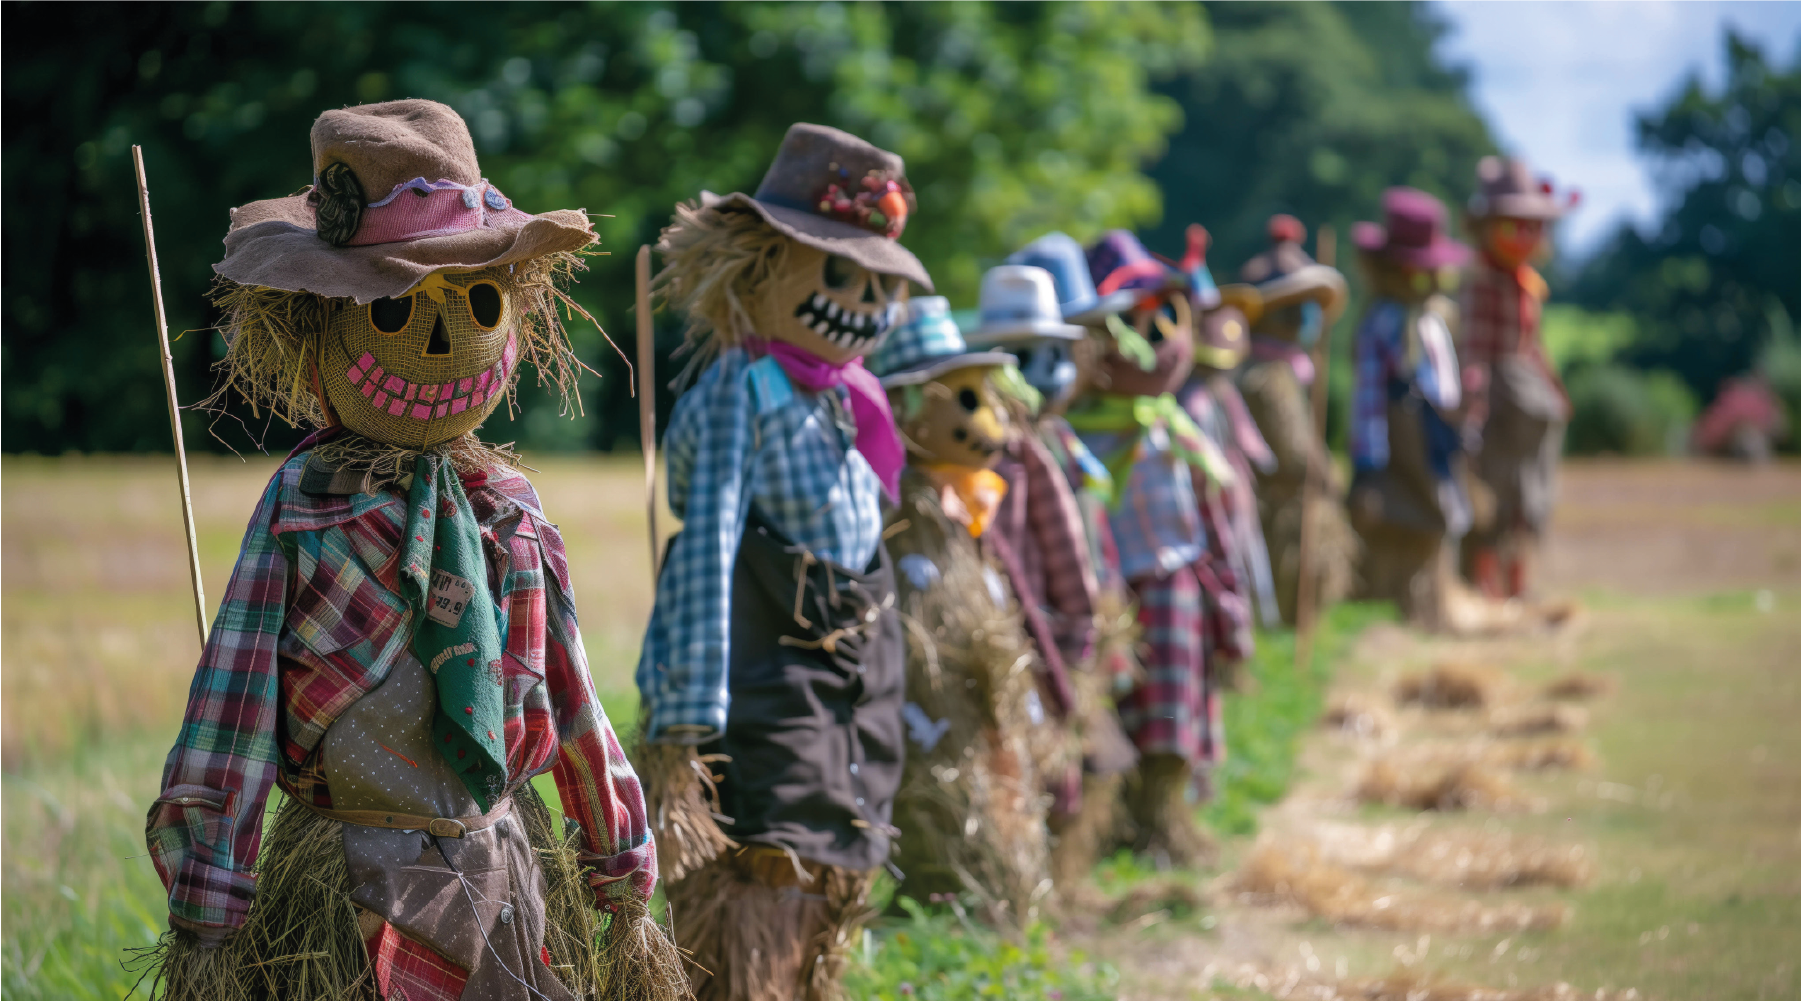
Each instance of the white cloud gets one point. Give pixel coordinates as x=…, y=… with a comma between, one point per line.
x=1560, y=83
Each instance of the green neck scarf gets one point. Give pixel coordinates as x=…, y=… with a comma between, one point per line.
x=456, y=635
x=1132, y=417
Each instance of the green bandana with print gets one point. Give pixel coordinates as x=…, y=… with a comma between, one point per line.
x=456, y=635
x=1132, y=417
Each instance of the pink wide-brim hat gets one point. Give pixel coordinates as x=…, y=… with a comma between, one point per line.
x=1412, y=232
x=396, y=195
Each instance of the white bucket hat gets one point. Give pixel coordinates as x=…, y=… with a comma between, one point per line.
x=1019, y=303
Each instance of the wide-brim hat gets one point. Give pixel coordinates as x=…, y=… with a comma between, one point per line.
x=835, y=192
x=928, y=345
x=396, y=195
x=1505, y=187
x=1312, y=282
x=1019, y=304
x=1412, y=232
x=1118, y=261
x=1077, y=301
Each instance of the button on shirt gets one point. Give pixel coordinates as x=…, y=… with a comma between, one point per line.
x=744, y=434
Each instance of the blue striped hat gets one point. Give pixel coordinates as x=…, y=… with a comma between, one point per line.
x=928, y=345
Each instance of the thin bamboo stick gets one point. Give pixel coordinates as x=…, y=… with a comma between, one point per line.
x=181, y=452
x=647, y=399
x=1326, y=252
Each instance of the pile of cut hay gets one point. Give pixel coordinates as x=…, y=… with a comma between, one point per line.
x=1453, y=685
x=1366, y=717
x=1297, y=874
x=1470, y=859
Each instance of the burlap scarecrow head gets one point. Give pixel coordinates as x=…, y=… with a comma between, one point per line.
x=945, y=401
x=812, y=258
x=399, y=292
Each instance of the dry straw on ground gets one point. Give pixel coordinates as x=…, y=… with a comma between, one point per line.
x=1528, y=720
x=1298, y=874
x=1453, y=685
x=1579, y=685
x=1461, y=785
x=1471, y=859
x=1367, y=717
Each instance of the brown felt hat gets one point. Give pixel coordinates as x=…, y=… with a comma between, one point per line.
x=837, y=193
x=396, y=195
x=1506, y=188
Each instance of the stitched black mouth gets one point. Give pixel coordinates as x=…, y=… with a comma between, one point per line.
x=848, y=329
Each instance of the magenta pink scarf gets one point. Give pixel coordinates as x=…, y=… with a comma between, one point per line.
x=877, y=437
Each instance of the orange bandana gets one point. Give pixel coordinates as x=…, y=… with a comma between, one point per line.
x=970, y=494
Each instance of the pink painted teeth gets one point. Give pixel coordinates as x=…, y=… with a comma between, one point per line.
x=427, y=401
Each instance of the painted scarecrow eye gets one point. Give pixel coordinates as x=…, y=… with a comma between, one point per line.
x=486, y=304
x=391, y=316
x=968, y=398
x=839, y=271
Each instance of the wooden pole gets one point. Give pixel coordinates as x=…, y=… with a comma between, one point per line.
x=647, y=399
x=1326, y=252
x=181, y=452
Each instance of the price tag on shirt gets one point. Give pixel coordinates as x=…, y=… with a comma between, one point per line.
x=450, y=596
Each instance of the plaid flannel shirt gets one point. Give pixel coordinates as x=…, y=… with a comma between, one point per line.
x=1500, y=318
x=313, y=620
x=744, y=434
x=1397, y=347
x=1042, y=523
x=1157, y=522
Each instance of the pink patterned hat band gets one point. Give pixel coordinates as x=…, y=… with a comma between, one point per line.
x=418, y=208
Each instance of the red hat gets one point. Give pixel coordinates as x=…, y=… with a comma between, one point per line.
x=1412, y=232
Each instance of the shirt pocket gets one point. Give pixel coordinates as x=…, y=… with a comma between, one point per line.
x=343, y=606
x=202, y=816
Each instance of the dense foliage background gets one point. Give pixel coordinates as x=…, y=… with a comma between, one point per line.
x=1014, y=119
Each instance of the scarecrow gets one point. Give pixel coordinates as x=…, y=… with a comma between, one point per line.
x=1043, y=521
x=987, y=692
x=774, y=648
x=1237, y=563
x=1406, y=499
x=1154, y=452
x=397, y=648
x=1301, y=299
x=1516, y=406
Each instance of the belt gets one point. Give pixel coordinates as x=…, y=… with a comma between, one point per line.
x=443, y=827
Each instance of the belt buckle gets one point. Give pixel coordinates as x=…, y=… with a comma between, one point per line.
x=445, y=827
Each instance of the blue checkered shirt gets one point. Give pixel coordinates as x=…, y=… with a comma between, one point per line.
x=1397, y=350
x=1157, y=522
x=744, y=434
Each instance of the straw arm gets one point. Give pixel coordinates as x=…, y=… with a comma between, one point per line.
x=162, y=336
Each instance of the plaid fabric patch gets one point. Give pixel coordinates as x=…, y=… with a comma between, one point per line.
x=1385, y=354
x=408, y=971
x=1041, y=522
x=311, y=622
x=1173, y=710
x=1500, y=318
x=739, y=435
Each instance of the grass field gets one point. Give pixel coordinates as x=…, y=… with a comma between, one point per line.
x=1695, y=808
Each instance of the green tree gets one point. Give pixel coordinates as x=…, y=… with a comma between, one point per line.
x=1014, y=118
x=1715, y=282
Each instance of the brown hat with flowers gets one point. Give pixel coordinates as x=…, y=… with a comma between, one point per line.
x=835, y=192
x=396, y=195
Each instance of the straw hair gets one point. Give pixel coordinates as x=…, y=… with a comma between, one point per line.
x=273, y=340
x=712, y=258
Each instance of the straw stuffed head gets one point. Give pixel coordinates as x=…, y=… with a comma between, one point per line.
x=400, y=314
x=812, y=258
x=945, y=401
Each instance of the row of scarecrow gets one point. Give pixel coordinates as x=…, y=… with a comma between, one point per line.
x=956, y=595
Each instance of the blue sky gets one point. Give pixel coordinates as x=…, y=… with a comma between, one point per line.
x=1559, y=83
